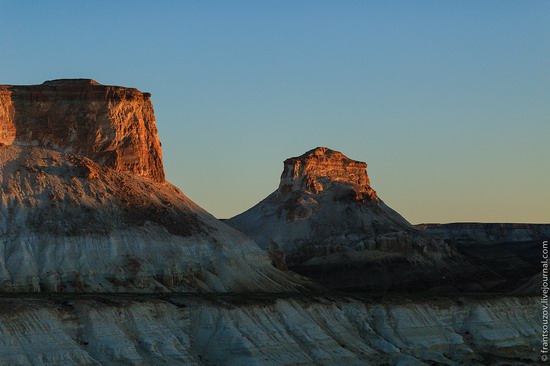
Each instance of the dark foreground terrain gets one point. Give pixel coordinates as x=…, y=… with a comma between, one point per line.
x=499, y=267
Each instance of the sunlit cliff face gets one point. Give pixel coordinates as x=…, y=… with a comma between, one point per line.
x=112, y=125
x=321, y=168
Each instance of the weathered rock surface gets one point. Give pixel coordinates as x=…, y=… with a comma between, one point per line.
x=512, y=251
x=320, y=169
x=112, y=125
x=261, y=330
x=487, y=232
x=331, y=225
x=325, y=204
x=84, y=206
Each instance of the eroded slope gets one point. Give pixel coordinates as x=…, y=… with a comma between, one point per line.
x=187, y=330
x=85, y=207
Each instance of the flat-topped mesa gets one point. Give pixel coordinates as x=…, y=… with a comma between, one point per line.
x=112, y=125
x=318, y=170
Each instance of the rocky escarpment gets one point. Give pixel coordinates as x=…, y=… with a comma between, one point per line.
x=330, y=224
x=84, y=206
x=322, y=168
x=263, y=330
x=487, y=232
x=513, y=251
x=113, y=126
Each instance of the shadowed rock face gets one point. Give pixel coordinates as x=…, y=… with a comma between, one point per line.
x=488, y=232
x=512, y=250
x=112, y=125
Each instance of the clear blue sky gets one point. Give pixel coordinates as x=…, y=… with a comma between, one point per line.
x=447, y=101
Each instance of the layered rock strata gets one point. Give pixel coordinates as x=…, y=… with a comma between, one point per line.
x=112, y=125
x=84, y=206
x=487, y=232
x=262, y=330
x=322, y=168
x=325, y=217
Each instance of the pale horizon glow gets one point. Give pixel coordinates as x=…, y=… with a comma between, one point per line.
x=447, y=102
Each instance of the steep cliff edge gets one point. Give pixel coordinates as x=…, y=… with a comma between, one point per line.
x=114, y=126
x=84, y=206
x=322, y=168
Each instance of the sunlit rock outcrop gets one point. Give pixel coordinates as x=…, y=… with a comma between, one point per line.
x=112, y=125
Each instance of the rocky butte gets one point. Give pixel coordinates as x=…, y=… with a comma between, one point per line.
x=85, y=206
x=111, y=125
x=320, y=169
x=328, y=223
x=322, y=195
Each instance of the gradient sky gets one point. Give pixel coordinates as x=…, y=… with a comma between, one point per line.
x=447, y=101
